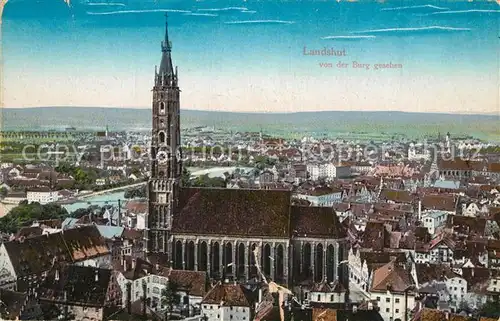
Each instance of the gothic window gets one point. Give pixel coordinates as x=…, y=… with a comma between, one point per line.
x=162, y=123
x=162, y=108
x=161, y=136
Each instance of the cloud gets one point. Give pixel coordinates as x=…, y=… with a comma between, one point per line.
x=348, y=38
x=105, y=4
x=413, y=30
x=135, y=11
x=259, y=22
x=414, y=7
x=200, y=14
x=465, y=11
x=226, y=9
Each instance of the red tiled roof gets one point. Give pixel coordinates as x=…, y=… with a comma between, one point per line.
x=244, y=212
x=432, y=315
x=439, y=202
x=137, y=207
x=458, y=164
x=194, y=282
x=466, y=224
x=228, y=295
x=325, y=287
x=316, y=222
x=494, y=167
x=429, y=272
x=391, y=276
x=320, y=314
x=399, y=196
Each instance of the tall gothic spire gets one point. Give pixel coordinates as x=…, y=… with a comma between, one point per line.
x=166, y=68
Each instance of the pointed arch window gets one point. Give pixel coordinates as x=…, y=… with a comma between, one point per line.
x=161, y=137
x=162, y=107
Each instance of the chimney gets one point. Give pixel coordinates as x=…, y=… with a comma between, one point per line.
x=57, y=275
x=133, y=264
x=157, y=266
x=260, y=294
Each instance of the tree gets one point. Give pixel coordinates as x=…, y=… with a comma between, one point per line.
x=185, y=178
x=139, y=192
x=464, y=306
x=4, y=191
x=490, y=309
x=25, y=214
x=169, y=298
x=207, y=181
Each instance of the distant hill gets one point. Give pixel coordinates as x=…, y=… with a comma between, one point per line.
x=300, y=123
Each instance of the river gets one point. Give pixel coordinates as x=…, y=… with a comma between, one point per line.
x=100, y=200
x=112, y=198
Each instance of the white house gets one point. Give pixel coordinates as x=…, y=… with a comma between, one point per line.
x=321, y=196
x=457, y=287
x=392, y=288
x=100, y=181
x=145, y=278
x=328, y=171
x=473, y=209
x=227, y=302
x=433, y=220
x=42, y=196
x=325, y=292
x=358, y=271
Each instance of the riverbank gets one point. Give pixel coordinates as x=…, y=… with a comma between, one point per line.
x=111, y=190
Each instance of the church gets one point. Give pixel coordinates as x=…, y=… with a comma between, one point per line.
x=231, y=233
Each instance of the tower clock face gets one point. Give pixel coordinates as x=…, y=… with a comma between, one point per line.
x=162, y=157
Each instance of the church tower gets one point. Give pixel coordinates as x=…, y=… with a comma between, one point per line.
x=163, y=185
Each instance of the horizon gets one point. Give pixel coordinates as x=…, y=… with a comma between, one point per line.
x=493, y=114
x=256, y=57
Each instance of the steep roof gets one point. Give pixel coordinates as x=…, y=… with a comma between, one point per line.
x=391, y=276
x=12, y=304
x=316, y=222
x=439, y=202
x=228, y=294
x=325, y=287
x=37, y=254
x=193, y=282
x=398, y=196
x=429, y=272
x=85, y=243
x=244, y=212
x=82, y=285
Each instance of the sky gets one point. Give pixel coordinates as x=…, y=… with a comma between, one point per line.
x=251, y=56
